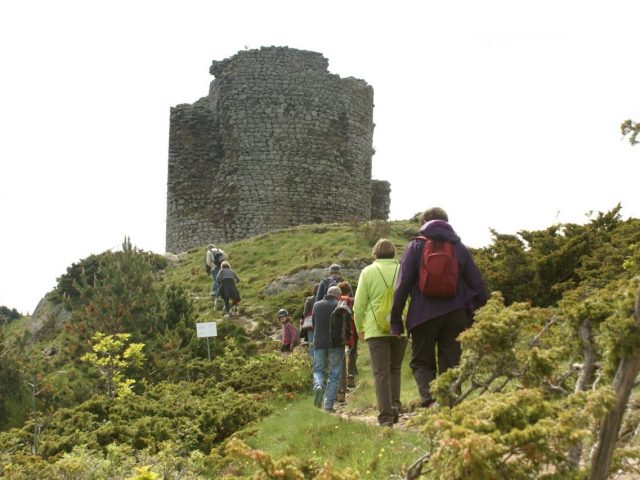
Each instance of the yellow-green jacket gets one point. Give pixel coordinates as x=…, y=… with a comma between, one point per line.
x=371, y=288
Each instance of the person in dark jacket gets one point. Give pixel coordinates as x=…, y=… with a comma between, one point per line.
x=326, y=353
x=227, y=280
x=306, y=325
x=213, y=261
x=435, y=321
x=334, y=278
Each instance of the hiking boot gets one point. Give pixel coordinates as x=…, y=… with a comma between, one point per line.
x=396, y=415
x=340, y=398
x=428, y=403
x=318, y=393
x=386, y=424
x=329, y=410
x=351, y=381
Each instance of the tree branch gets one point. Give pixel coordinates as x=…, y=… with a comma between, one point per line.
x=623, y=381
x=415, y=470
x=534, y=341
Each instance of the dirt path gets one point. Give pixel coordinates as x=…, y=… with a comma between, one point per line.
x=369, y=415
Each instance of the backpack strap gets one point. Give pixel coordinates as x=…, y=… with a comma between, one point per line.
x=386, y=286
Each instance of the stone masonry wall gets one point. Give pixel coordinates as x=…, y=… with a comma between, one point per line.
x=277, y=142
x=380, y=199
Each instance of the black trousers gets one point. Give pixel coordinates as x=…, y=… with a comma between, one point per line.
x=441, y=332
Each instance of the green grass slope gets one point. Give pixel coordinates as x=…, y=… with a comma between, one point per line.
x=266, y=258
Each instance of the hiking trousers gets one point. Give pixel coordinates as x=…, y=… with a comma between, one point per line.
x=386, y=354
x=349, y=366
x=441, y=332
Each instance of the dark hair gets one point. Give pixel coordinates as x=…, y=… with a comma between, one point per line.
x=435, y=213
x=346, y=288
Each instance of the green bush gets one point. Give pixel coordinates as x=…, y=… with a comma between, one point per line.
x=195, y=416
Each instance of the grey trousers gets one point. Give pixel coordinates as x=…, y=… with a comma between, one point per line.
x=386, y=355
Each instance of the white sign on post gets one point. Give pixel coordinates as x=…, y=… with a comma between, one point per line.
x=207, y=329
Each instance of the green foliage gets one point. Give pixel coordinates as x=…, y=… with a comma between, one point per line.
x=370, y=232
x=11, y=382
x=287, y=468
x=123, y=299
x=116, y=462
x=193, y=415
x=630, y=129
x=84, y=271
x=505, y=348
x=620, y=333
x=8, y=314
x=512, y=413
x=88, y=270
x=112, y=356
x=517, y=435
x=178, y=307
x=540, y=266
x=266, y=374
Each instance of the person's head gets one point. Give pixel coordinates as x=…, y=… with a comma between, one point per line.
x=334, y=292
x=283, y=315
x=225, y=264
x=435, y=213
x=346, y=289
x=384, y=249
x=334, y=269
x=211, y=246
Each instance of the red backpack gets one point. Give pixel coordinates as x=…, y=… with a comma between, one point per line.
x=438, y=274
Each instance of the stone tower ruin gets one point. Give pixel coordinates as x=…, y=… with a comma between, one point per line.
x=279, y=141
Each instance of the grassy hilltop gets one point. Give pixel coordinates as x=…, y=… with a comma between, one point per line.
x=112, y=381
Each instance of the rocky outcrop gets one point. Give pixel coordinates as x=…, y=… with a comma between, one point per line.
x=48, y=314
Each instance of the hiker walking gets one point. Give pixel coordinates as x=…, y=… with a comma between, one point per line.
x=349, y=368
x=213, y=261
x=372, y=307
x=306, y=321
x=228, y=290
x=442, y=300
x=290, y=337
x=328, y=349
x=334, y=278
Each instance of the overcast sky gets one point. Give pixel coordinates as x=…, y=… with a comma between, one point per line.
x=505, y=113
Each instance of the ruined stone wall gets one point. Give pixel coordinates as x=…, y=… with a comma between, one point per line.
x=380, y=199
x=278, y=142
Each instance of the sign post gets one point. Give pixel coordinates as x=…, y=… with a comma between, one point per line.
x=208, y=329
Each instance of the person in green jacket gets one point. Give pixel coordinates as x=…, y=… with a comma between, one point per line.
x=372, y=307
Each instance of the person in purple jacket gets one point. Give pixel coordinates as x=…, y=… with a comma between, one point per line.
x=435, y=321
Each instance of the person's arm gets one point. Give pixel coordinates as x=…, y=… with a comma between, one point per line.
x=361, y=302
x=473, y=279
x=321, y=290
x=407, y=278
x=313, y=315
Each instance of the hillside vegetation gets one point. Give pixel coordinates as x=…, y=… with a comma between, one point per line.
x=123, y=389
